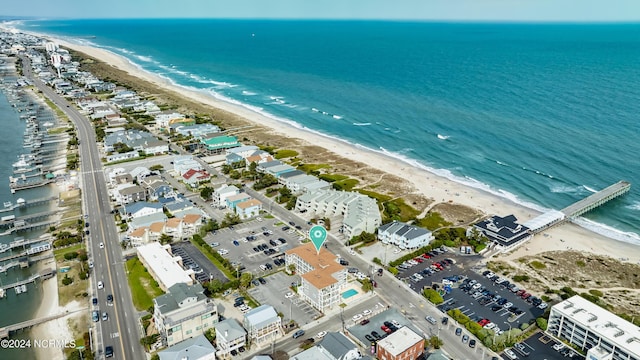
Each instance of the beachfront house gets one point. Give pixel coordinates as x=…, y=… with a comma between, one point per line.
x=234, y=200
x=183, y=312
x=129, y=194
x=218, y=144
x=182, y=164
x=243, y=151
x=230, y=335
x=193, y=178
x=404, y=236
x=197, y=348
x=164, y=119
x=221, y=194
x=322, y=276
x=339, y=346
x=141, y=208
x=263, y=325
x=303, y=183
x=249, y=208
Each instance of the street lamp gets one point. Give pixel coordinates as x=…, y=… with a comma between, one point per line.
x=509, y=334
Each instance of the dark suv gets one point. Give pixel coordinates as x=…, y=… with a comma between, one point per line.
x=108, y=351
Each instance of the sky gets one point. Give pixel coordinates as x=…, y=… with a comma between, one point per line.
x=465, y=10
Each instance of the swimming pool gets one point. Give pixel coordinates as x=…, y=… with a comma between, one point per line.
x=349, y=293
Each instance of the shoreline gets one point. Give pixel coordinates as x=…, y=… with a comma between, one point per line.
x=425, y=182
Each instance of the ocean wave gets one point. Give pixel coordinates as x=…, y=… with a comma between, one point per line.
x=634, y=206
x=567, y=189
x=592, y=190
x=337, y=117
x=361, y=124
x=144, y=58
x=608, y=231
x=443, y=137
x=248, y=93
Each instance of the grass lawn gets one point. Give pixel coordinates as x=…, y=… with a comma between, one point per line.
x=77, y=290
x=432, y=221
x=333, y=177
x=143, y=287
x=281, y=154
x=308, y=168
x=213, y=260
x=59, y=253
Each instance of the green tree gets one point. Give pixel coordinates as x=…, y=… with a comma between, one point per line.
x=292, y=268
x=67, y=280
x=542, y=323
x=156, y=167
x=245, y=280
x=435, y=342
x=367, y=285
x=165, y=239
x=215, y=286
x=206, y=193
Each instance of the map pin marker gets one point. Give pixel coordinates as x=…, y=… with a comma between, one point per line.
x=318, y=235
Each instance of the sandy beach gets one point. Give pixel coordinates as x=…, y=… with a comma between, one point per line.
x=440, y=189
x=57, y=329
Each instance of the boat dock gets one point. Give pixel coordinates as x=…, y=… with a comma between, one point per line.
x=26, y=203
x=6, y=331
x=24, y=243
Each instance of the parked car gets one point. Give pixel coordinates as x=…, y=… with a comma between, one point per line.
x=298, y=333
x=458, y=331
x=465, y=338
x=472, y=343
x=431, y=320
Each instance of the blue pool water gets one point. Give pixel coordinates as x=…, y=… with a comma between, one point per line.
x=349, y=293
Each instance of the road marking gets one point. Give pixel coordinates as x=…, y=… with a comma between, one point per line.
x=115, y=335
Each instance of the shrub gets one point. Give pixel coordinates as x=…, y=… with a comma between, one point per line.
x=433, y=296
x=537, y=265
x=580, y=263
x=595, y=292
x=70, y=255
x=542, y=323
x=67, y=280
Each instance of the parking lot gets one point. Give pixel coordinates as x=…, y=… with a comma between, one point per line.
x=274, y=292
x=364, y=330
x=541, y=346
x=255, y=244
x=194, y=259
x=478, y=297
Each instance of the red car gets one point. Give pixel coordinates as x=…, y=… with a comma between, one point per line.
x=364, y=322
x=419, y=259
x=386, y=329
x=525, y=295
x=483, y=322
x=426, y=256
x=520, y=292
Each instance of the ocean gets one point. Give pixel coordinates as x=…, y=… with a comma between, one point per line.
x=541, y=114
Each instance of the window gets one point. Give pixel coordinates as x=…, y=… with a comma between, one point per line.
x=205, y=316
x=189, y=332
x=198, y=327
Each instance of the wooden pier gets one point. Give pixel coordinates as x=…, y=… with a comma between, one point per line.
x=28, y=203
x=597, y=199
x=6, y=331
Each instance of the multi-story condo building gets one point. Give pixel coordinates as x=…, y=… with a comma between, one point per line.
x=183, y=313
x=262, y=324
x=322, y=277
x=602, y=334
x=404, y=236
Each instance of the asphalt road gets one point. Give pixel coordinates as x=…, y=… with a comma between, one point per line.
x=122, y=330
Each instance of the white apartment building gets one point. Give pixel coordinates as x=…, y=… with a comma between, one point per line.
x=230, y=335
x=165, y=268
x=360, y=212
x=591, y=328
x=183, y=313
x=404, y=236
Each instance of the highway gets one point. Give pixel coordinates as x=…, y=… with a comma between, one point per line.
x=122, y=330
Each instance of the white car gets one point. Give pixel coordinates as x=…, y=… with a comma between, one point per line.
x=100, y=285
x=352, y=252
x=490, y=326
x=223, y=252
x=321, y=334
x=367, y=312
x=542, y=305
x=357, y=317
x=214, y=244
x=510, y=354
x=101, y=245
x=396, y=323
x=558, y=347
x=490, y=274
x=507, y=305
x=289, y=295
